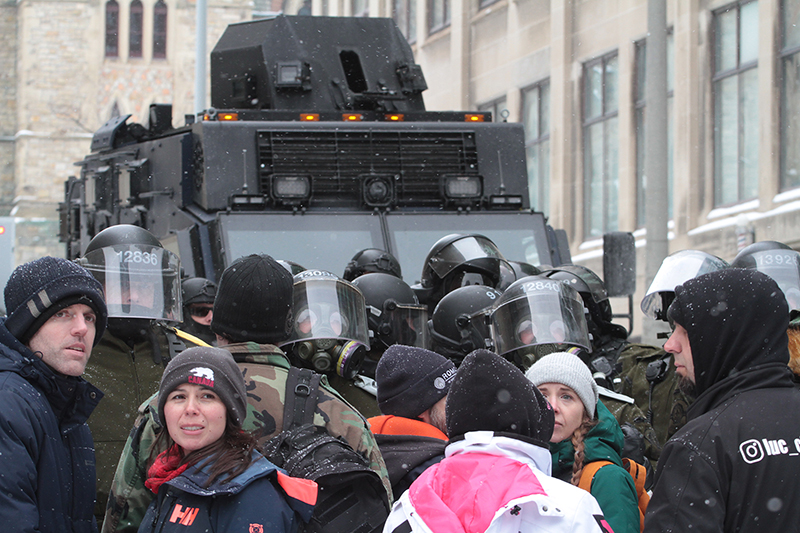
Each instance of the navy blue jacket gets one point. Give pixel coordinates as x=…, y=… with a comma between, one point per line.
x=47, y=475
x=253, y=501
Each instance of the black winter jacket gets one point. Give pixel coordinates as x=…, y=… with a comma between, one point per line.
x=735, y=466
x=47, y=474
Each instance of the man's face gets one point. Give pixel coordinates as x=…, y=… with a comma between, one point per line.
x=66, y=339
x=678, y=346
x=202, y=313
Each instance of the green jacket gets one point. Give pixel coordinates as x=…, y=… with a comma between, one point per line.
x=265, y=369
x=612, y=486
x=127, y=376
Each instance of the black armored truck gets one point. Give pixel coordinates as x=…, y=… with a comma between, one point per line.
x=317, y=145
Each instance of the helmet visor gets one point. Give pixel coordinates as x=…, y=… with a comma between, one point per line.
x=405, y=324
x=139, y=281
x=463, y=251
x=784, y=267
x=536, y=312
x=675, y=270
x=328, y=308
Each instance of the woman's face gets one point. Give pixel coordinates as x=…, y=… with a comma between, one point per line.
x=195, y=416
x=567, y=408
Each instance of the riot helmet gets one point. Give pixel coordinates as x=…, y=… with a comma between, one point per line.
x=511, y=271
x=535, y=316
x=394, y=315
x=140, y=278
x=329, y=332
x=460, y=321
x=459, y=260
x=198, y=304
x=778, y=261
x=676, y=269
x=372, y=260
x=292, y=267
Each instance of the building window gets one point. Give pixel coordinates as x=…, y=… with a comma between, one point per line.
x=404, y=13
x=112, y=29
x=736, y=103
x=359, y=8
x=497, y=108
x=160, y=30
x=135, y=33
x=536, y=122
x=639, y=118
x=486, y=3
x=438, y=15
x=601, y=145
x=790, y=94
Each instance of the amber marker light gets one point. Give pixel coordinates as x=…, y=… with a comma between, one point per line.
x=473, y=118
x=395, y=118
x=229, y=116
x=351, y=117
x=309, y=117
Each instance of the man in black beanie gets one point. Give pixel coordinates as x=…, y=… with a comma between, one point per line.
x=56, y=315
x=496, y=473
x=735, y=465
x=252, y=313
x=412, y=390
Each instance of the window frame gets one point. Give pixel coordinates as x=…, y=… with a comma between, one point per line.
x=445, y=13
x=537, y=142
x=160, y=17
x=136, y=29
x=785, y=54
x=409, y=7
x=111, y=49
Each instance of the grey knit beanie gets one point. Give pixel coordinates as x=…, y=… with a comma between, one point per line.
x=213, y=368
x=569, y=370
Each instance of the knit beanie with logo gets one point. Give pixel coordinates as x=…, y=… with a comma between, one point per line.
x=569, y=370
x=411, y=380
x=37, y=290
x=212, y=368
x=254, y=301
x=491, y=394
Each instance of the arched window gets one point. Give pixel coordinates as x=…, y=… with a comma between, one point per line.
x=112, y=28
x=137, y=17
x=160, y=30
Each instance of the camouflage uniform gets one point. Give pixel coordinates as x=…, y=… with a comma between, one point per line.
x=265, y=369
x=127, y=376
x=669, y=403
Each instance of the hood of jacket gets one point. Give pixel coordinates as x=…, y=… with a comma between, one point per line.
x=735, y=319
x=604, y=442
x=72, y=398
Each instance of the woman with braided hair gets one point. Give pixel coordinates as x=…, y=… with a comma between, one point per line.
x=585, y=432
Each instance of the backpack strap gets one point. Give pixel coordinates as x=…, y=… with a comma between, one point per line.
x=588, y=472
x=300, y=401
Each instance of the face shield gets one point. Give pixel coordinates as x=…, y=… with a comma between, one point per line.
x=538, y=312
x=399, y=324
x=783, y=266
x=675, y=270
x=140, y=281
x=476, y=250
x=329, y=331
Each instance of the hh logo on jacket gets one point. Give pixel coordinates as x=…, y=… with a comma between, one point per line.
x=184, y=515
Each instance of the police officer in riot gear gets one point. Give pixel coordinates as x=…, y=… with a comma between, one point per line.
x=141, y=282
x=329, y=332
x=198, y=308
x=372, y=260
x=459, y=260
x=460, y=322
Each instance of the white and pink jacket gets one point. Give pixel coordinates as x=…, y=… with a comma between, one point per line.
x=494, y=484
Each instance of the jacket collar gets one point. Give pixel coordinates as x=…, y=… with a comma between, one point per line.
x=490, y=443
x=252, y=352
x=193, y=480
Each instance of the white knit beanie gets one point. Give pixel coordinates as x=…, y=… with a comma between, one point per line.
x=569, y=370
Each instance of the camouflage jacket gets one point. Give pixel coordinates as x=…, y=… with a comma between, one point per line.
x=265, y=369
x=669, y=403
x=127, y=376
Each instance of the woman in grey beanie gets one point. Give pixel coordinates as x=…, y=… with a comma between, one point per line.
x=586, y=432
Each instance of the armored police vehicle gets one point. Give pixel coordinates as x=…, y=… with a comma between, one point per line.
x=317, y=145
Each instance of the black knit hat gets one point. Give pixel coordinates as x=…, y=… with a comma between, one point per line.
x=411, y=380
x=491, y=394
x=213, y=368
x=254, y=301
x=37, y=290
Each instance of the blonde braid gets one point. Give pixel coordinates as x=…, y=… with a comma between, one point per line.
x=578, y=444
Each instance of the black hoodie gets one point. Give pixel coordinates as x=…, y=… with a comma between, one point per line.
x=735, y=466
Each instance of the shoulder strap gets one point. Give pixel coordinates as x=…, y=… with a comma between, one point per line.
x=300, y=402
x=588, y=472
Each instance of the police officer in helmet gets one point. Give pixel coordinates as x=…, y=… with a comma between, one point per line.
x=198, y=308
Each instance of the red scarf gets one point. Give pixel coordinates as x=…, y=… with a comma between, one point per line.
x=167, y=466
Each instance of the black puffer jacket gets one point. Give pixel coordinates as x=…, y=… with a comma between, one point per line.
x=735, y=466
x=47, y=475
